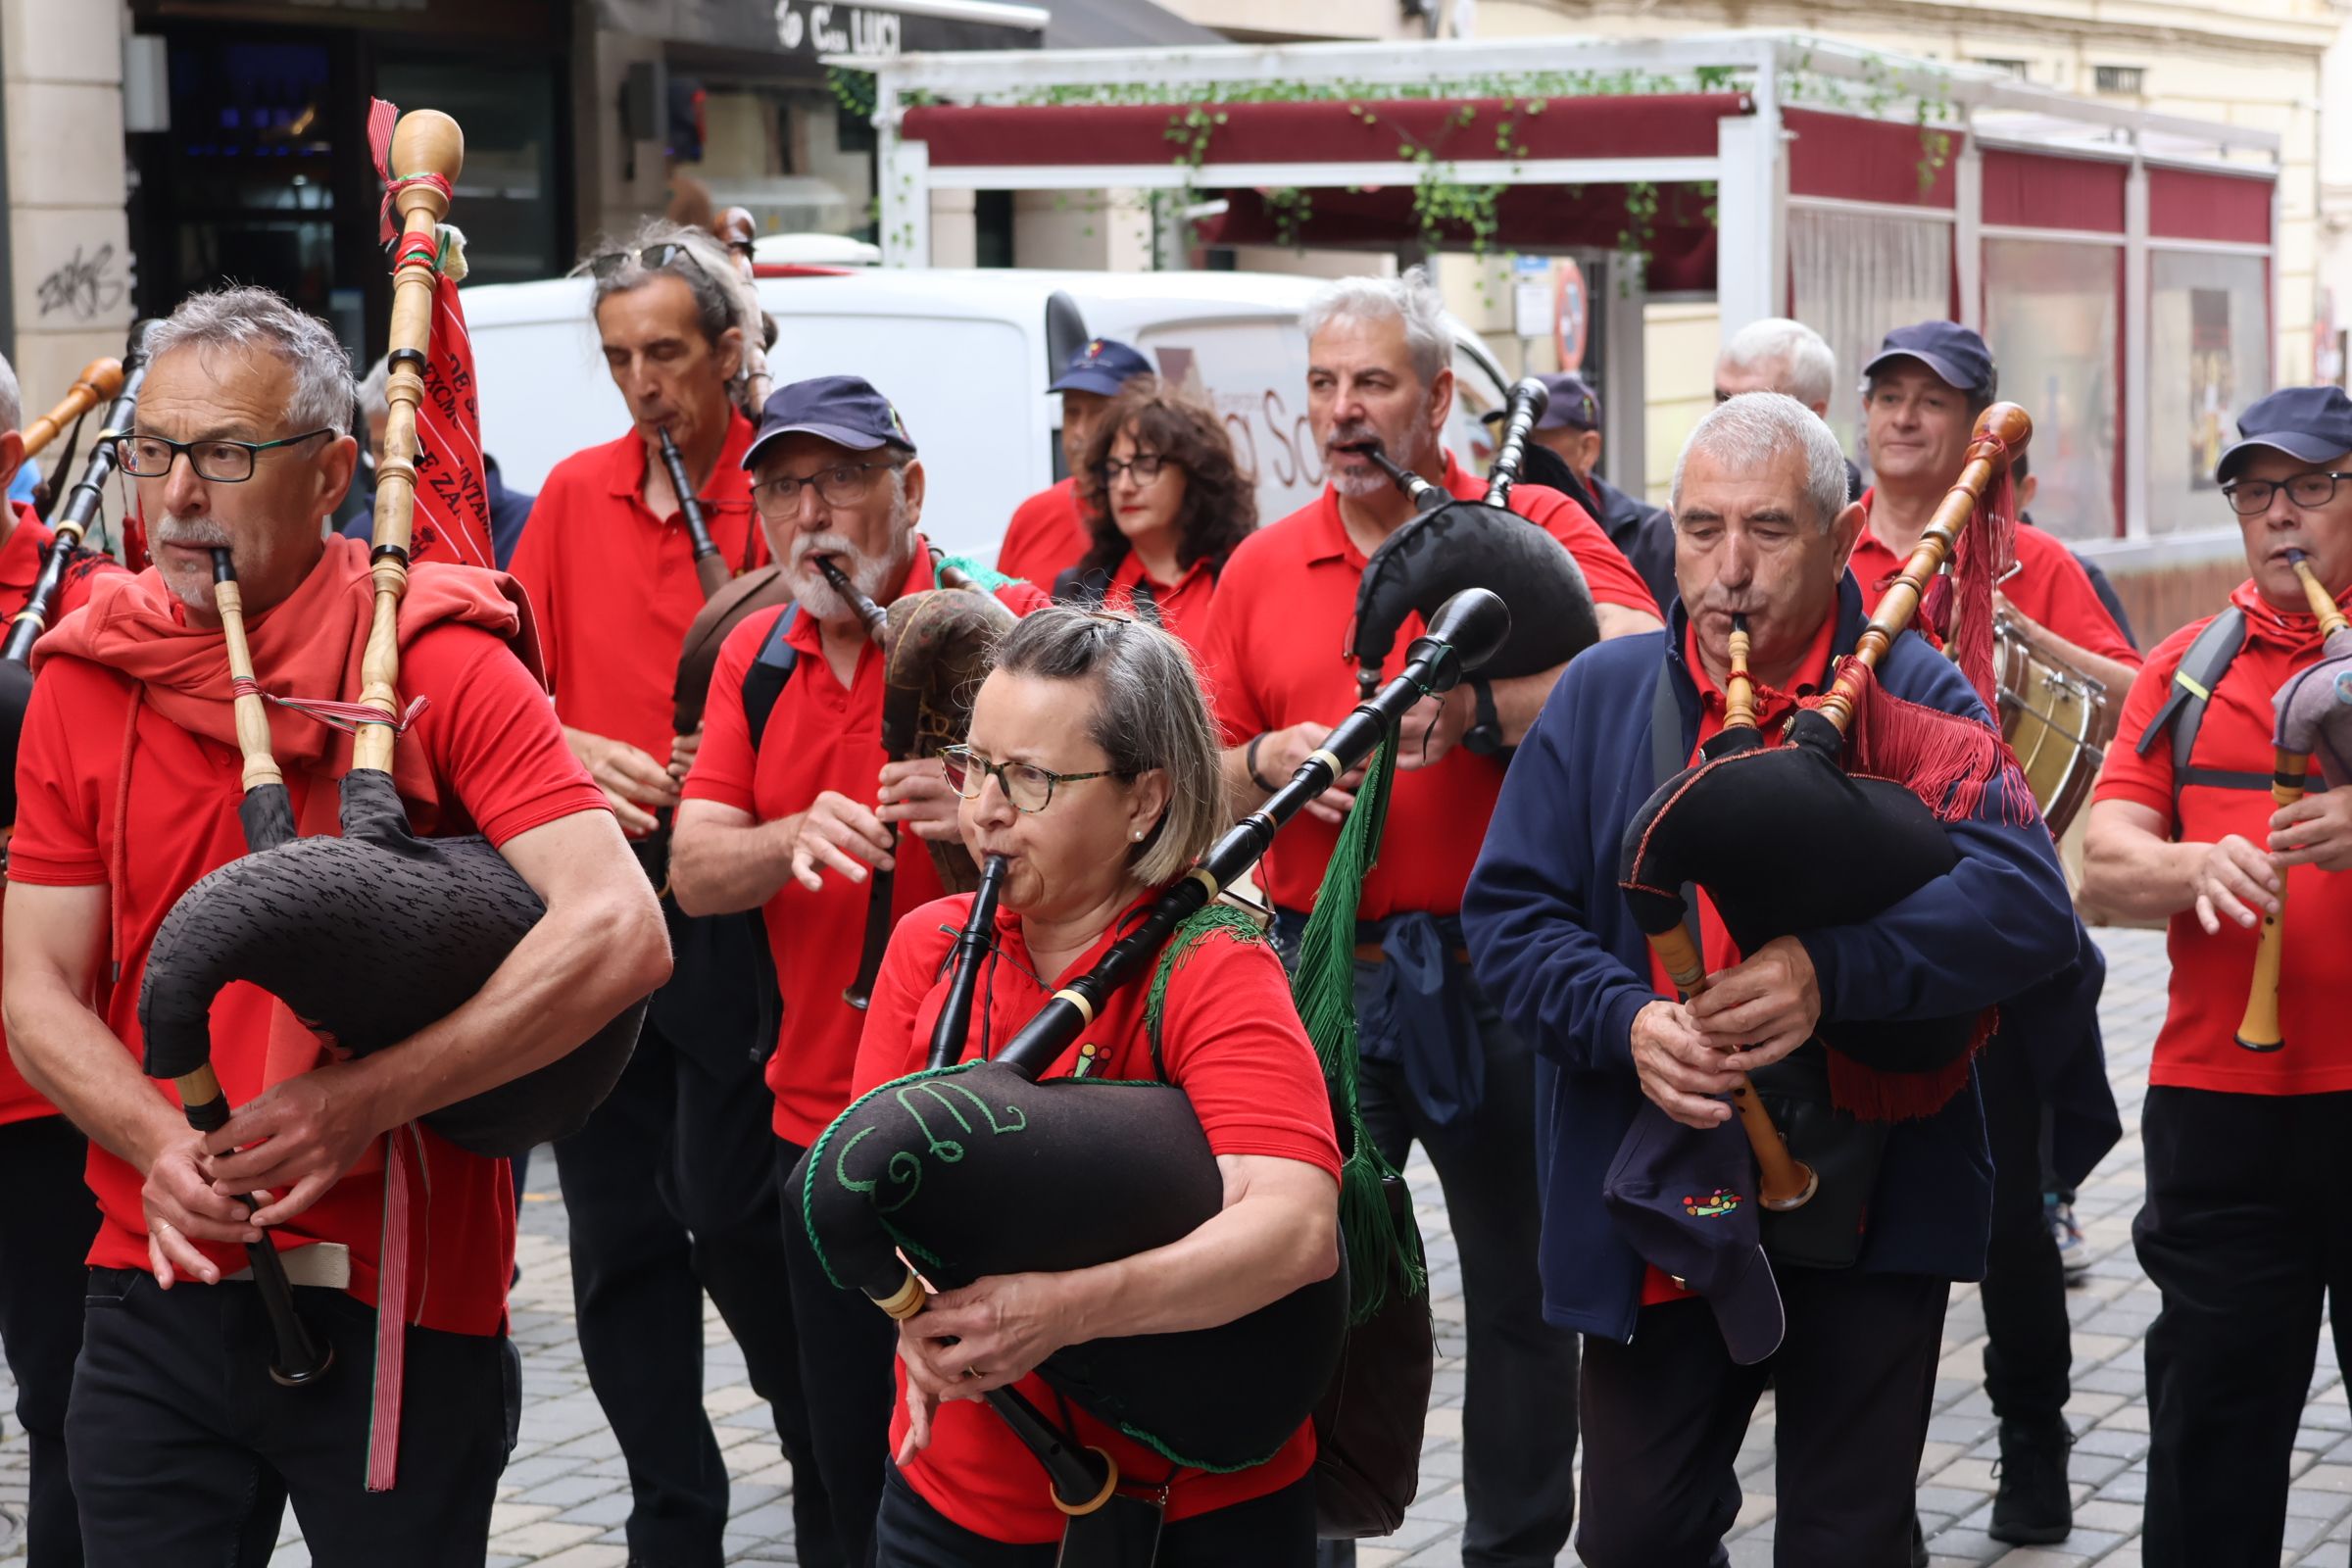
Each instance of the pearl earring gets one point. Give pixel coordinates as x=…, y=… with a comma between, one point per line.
x=1138, y=835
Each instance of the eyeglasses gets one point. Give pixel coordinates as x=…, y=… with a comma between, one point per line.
x=653, y=258
x=2251, y=498
x=150, y=457
x=1028, y=787
x=843, y=485
x=1145, y=465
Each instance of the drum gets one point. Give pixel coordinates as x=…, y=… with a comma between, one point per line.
x=2056, y=719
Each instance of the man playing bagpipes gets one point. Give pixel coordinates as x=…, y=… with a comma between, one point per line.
x=2044, y=1076
x=184, y=1446
x=1900, y=1209
x=796, y=811
x=45, y=1233
x=1440, y=1066
x=670, y=1188
x=2201, y=817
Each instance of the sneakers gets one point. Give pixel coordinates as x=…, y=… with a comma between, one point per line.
x=2074, y=1254
x=2032, y=1505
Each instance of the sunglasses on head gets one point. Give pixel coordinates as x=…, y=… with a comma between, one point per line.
x=653, y=258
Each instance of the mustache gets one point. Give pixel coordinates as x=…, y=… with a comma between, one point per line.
x=193, y=535
x=1355, y=434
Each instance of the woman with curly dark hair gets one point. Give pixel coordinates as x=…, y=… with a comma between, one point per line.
x=1165, y=502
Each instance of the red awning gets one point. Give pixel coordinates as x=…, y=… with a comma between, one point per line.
x=1326, y=132
x=2036, y=190
x=1857, y=160
x=2190, y=204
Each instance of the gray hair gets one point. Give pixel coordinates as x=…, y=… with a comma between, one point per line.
x=11, y=398
x=1749, y=432
x=255, y=318
x=1800, y=360
x=721, y=298
x=1411, y=299
x=375, y=402
x=1148, y=712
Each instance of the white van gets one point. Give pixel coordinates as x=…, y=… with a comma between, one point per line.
x=966, y=355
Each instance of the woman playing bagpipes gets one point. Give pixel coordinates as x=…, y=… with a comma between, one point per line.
x=1091, y=771
x=1854, y=998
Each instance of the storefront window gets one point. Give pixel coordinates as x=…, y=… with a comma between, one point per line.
x=2208, y=358
x=2053, y=314
x=505, y=194
x=779, y=152
x=1856, y=276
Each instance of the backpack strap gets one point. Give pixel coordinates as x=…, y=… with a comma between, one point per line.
x=764, y=682
x=1667, y=757
x=2202, y=665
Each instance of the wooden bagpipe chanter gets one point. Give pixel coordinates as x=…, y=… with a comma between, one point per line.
x=963, y=1171
x=1864, y=784
x=369, y=937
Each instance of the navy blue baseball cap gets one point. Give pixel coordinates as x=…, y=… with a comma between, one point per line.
x=1573, y=407
x=2309, y=423
x=1957, y=354
x=844, y=410
x=1104, y=366
x=1685, y=1198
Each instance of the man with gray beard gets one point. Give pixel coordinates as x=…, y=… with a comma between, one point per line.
x=1440, y=1066
x=793, y=804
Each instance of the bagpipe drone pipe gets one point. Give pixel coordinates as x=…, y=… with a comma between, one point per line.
x=1840, y=822
x=121, y=381
x=436, y=916
x=966, y=1170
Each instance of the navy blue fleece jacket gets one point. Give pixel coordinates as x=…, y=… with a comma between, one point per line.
x=1553, y=941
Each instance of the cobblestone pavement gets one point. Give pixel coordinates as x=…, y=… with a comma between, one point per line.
x=565, y=1493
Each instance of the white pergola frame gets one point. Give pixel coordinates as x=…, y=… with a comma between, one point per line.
x=1749, y=166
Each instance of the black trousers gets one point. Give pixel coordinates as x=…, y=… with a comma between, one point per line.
x=671, y=1192
x=184, y=1451
x=1276, y=1530
x=1853, y=1385
x=45, y=1230
x=848, y=1350
x=1519, y=1401
x=2242, y=1235
x=2028, y=1342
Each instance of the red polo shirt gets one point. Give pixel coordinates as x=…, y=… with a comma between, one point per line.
x=1182, y=606
x=102, y=793
x=2196, y=1048
x=1046, y=536
x=821, y=736
x=1232, y=1042
x=614, y=586
x=1275, y=655
x=20, y=565
x=2050, y=587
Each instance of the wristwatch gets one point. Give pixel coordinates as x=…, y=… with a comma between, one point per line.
x=1483, y=738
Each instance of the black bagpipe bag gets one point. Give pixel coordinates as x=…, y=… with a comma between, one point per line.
x=1468, y=544
x=973, y=1170
x=1786, y=840
x=367, y=939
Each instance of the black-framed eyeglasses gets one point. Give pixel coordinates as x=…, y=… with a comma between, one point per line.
x=1027, y=786
x=741, y=247
x=150, y=457
x=653, y=258
x=841, y=485
x=1145, y=465
x=2251, y=498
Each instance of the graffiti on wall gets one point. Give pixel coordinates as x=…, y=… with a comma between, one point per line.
x=83, y=287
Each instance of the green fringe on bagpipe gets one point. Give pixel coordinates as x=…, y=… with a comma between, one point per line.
x=1182, y=943
x=1324, y=990
x=988, y=577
